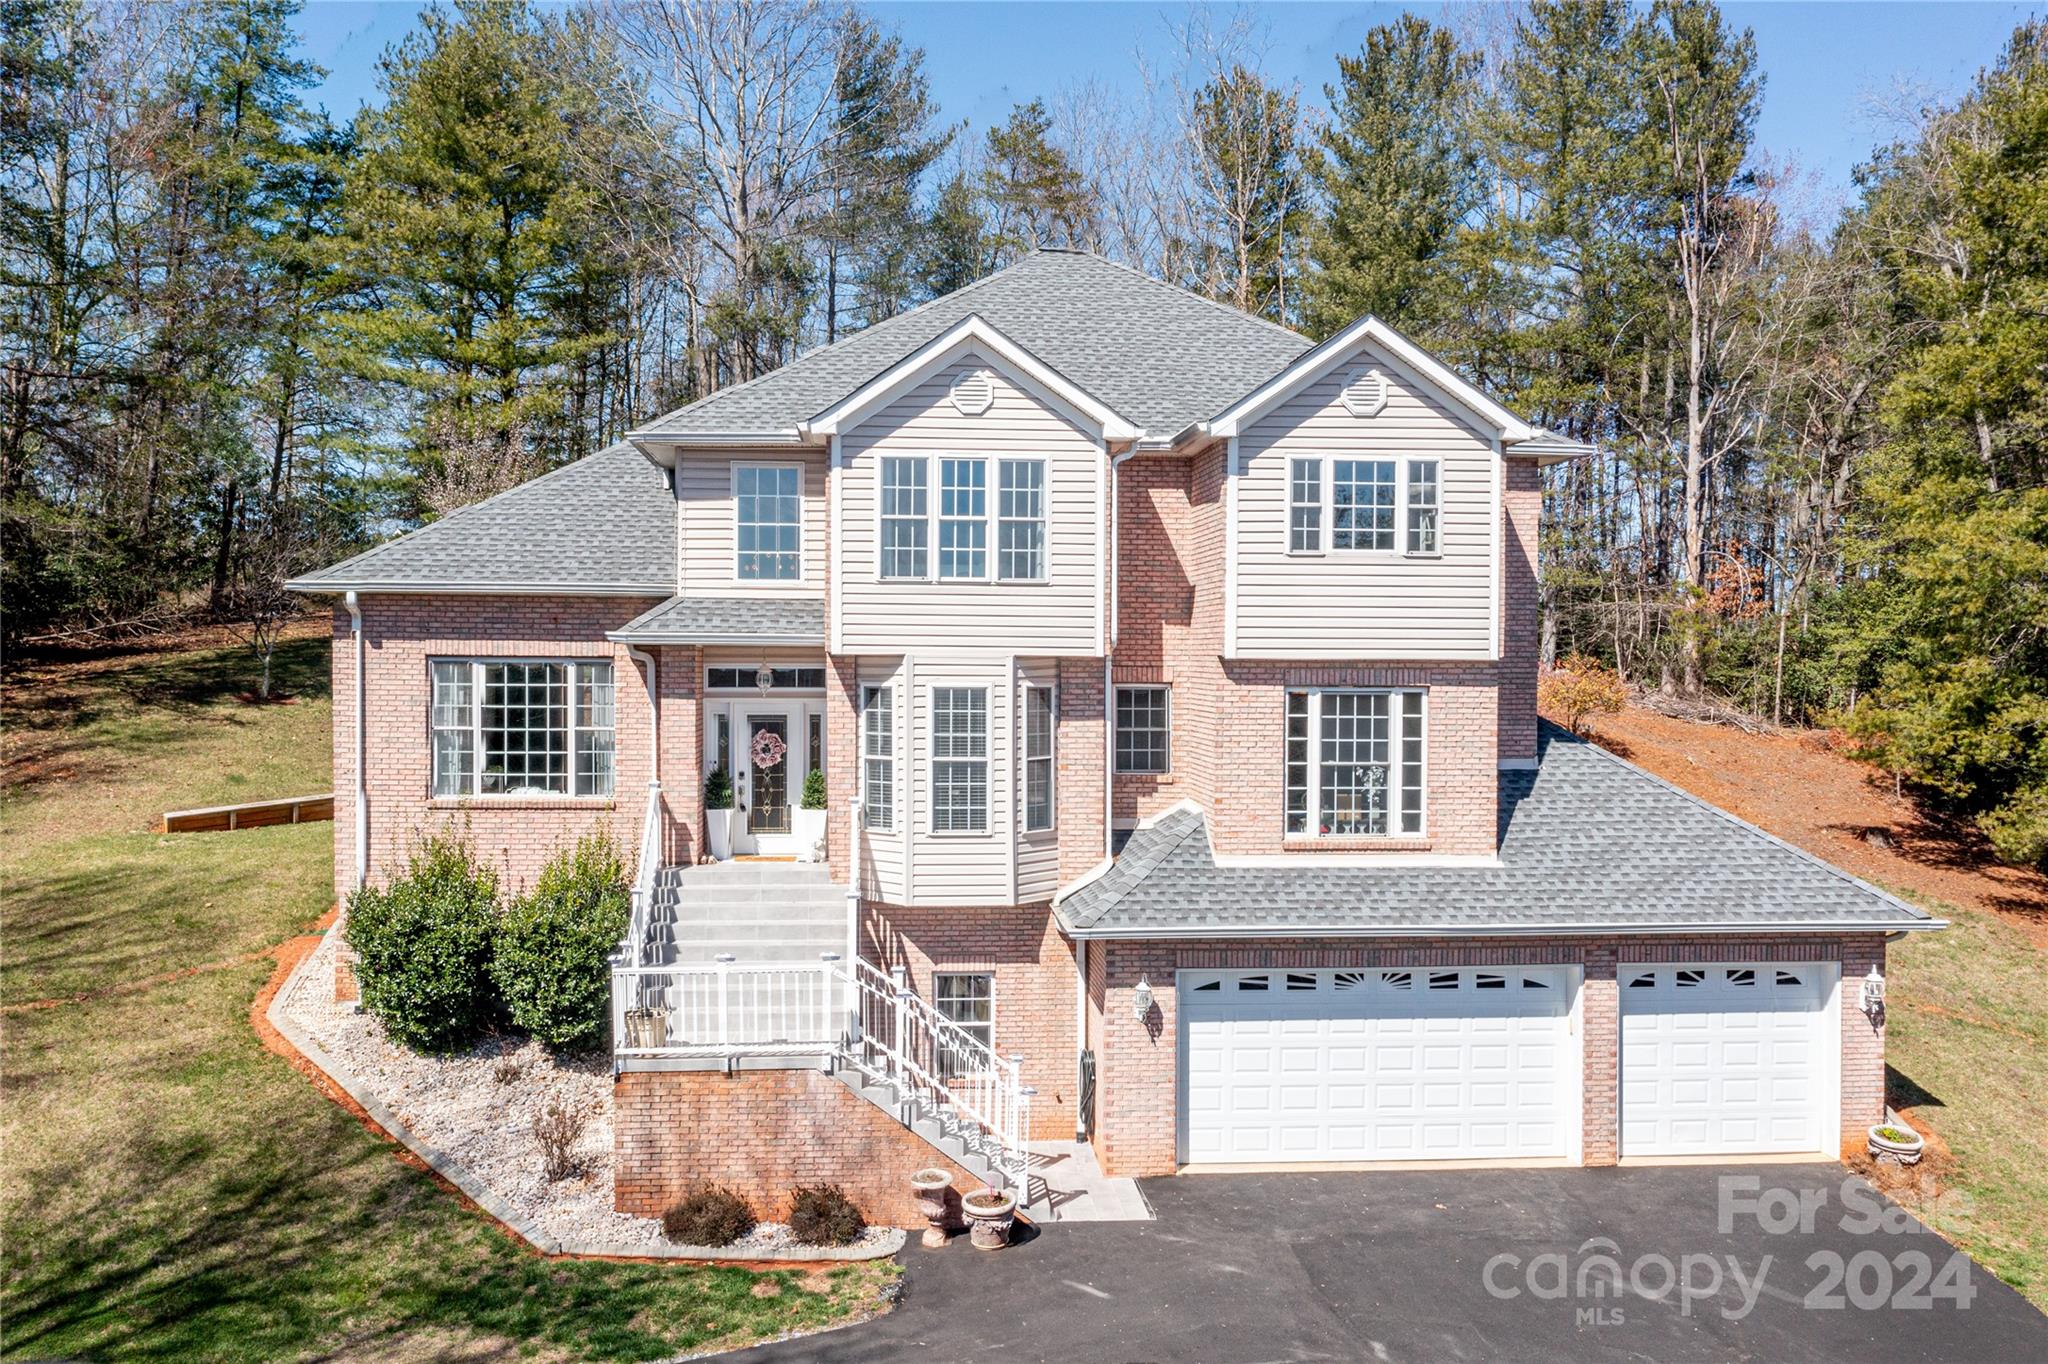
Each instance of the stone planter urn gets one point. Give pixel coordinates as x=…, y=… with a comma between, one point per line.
x=990, y=1218
x=1896, y=1143
x=933, y=1189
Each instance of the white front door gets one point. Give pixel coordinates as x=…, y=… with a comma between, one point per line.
x=1727, y=1058
x=767, y=773
x=1410, y=1063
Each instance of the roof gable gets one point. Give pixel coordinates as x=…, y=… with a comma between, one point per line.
x=973, y=336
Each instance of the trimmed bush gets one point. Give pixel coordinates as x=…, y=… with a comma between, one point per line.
x=824, y=1216
x=814, y=790
x=708, y=1216
x=552, y=960
x=423, y=946
x=718, y=790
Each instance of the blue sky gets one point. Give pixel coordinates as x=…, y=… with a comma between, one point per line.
x=1826, y=65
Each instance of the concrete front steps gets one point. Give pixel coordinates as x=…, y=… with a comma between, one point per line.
x=949, y=1137
x=753, y=911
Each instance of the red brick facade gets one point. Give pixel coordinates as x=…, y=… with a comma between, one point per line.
x=761, y=1133
x=1137, y=1098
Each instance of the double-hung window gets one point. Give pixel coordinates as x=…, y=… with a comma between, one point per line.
x=1354, y=763
x=878, y=756
x=1144, y=730
x=906, y=517
x=1020, y=520
x=963, y=518
x=1422, y=506
x=1362, y=504
x=768, y=522
x=1038, y=710
x=522, y=728
x=967, y=999
x=960, y=760
x=1305, y=506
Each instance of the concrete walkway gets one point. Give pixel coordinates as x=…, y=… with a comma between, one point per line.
x=1455, y=1265
x=1065, y=1175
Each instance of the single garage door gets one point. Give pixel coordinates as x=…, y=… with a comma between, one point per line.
x=1728, y=1058
x=1412, y=1064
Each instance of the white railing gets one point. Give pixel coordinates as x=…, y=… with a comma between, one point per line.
x=644, y=873
x=727, y=1010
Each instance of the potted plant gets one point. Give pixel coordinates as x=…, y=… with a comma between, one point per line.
x=1894, y=1141
x=718, y=812
x=932, y=1187
x=990, y=1217
x=810, y=818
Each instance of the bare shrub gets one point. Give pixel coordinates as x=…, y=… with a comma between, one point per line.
x=556, y=1130
x=507, y=1070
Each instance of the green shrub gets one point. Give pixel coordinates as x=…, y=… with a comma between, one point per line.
x=814, y=790
x=708, y=1216
x=552, y=962
x=824, y=1216
x=423, y=946
x=718, y=790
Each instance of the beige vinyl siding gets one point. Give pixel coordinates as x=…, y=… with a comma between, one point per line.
x=882, y=850
x=960, y=869
x=1058, y=616
x=1362, y=604
x=1038, y=852
x=704, y=495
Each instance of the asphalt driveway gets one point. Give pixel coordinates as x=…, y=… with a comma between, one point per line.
x=1791, y=1263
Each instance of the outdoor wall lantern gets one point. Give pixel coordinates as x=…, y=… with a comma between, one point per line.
x=1871, y=996
x=1141, y=999
x=764, y=678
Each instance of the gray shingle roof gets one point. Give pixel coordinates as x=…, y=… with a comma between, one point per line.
x=1589, y=843
x=695, y=620
x=1550, y=447
x=606, y=523
x=1160, y=356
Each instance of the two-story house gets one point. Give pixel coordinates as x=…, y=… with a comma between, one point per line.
x=1174, y=684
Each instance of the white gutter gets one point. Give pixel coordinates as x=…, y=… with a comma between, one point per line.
x=355, y=630
x=1080, y=1031
x=646, y=660
x=520, y=589
x=735, y=641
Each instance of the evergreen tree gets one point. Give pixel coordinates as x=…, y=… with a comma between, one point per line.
x=1398, y=171
x=469, y=229
x=1036, y=197
x=955, y=247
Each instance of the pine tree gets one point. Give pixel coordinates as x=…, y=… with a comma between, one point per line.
x=469, y=227
x=1398, y=171
x=1036, y=197
x=955, y=247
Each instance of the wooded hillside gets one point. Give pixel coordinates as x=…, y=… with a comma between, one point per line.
x=243, y=339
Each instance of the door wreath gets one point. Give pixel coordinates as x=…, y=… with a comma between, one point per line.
x=768, y=748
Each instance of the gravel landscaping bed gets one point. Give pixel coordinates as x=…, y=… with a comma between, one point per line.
x=476, y=1107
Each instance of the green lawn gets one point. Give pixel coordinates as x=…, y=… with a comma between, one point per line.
x=171, y=1190
x=1966, y=1036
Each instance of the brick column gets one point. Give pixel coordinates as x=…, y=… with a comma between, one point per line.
x=1079, y=786
x=1521, y=608
x=1862, y=1043
x=842, y=728
x=1600, y=1035
x=1136, y=1089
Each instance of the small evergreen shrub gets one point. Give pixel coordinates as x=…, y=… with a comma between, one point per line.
x=824, y=1216
x=718, y=790
x=814, y=790
x=423, y=946
x=708, y=1216
x=552, y=960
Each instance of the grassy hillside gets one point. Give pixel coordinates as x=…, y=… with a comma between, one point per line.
x=168, y=1188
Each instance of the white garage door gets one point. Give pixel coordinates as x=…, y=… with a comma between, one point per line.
x=1728, y=1058
x=1422, y=1064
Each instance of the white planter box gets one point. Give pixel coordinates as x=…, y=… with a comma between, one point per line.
x=810, y=835
x=718, y=833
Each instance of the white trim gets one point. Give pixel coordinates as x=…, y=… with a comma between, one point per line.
x=1025, y=689
x=1013, y=700
x=835, y=557
x=1230, y=476
x=1415, y=363
x=653, y=709
x=1496, y=608
x=717, y=641
x=973, y=335
x=362, y=791
x=662, y=448
x=1080, y=1032
x=908, y=794
x=1108, y=760
x=1108, y=565
x=733, y=491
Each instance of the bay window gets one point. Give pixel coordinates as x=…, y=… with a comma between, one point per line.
x=1354, y=763
x=522, y=728
x=1037, y=758
x=960, y=760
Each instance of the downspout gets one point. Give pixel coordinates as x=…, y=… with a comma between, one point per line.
x=1080, y=1036
x=355, y=630
x=646, y=660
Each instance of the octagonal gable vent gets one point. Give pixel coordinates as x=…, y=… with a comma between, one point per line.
x=1365, y=392
x=974, y=391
